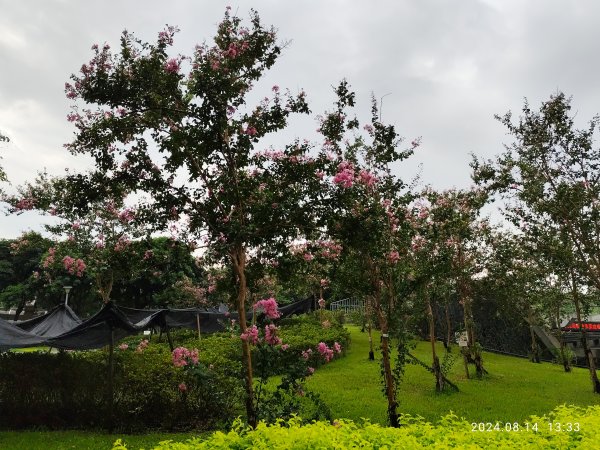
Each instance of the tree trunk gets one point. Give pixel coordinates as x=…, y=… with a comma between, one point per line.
x=566, y=362
x=369, y=329
x=238, y=259
x=104, y=286
x=591, y=363
x=437, y=370
x=20, y=307
x=390, y=389
x=473, y=354
x=448, y=328
x=535, y=353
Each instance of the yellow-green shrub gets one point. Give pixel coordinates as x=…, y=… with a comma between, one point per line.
x=451, y=432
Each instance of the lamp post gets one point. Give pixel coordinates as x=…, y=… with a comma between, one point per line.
x=67, y=289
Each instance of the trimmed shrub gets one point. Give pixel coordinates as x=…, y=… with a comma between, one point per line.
x=451, y=432
x=70, y=389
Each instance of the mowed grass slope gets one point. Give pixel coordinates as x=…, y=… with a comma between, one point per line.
x=514, y=389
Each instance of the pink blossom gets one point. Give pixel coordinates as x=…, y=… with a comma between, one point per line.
x=337, y=347
x=25, y=204
x=394, y=256
x=271, y=337
x=320, y=174
x=172, y=65
x=269, y=307
x=368, y=128
x=250, y=335
x=126, y=216
x=123, y=346
x=250, y=131
x=182, y=387
x=285, y=347
x=76, y=226
x=308, y=257
x=345, y=175
x=182, y=356
x=307, y=353
x=142, y=346
x=367, y=178
x=325, y=351
x=311, y=370
x=321, y=303
x=148, y=254
x=324, y=282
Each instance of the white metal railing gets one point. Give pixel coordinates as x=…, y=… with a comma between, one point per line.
x=347, y=305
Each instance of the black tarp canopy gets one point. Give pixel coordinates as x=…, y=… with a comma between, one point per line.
x=12, y=336
x=61, y=328
x=59, y=320
x=108, y=324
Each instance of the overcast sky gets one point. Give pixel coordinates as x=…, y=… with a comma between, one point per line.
x=449, y=66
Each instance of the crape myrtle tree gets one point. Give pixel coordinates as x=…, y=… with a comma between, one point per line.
x=462, y=234
x=367, y=217
x=20, y=267
x=93, y=237
x=431, y=252
x=519, y=277
x=552, y=173
x=179, y=129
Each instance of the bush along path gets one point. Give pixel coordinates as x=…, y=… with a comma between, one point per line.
x=563, y=428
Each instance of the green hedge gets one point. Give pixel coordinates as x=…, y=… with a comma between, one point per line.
x=69, y=389
x=451, y=432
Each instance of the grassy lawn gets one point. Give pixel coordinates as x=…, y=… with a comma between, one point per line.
x=514, y=390
x=62, y=440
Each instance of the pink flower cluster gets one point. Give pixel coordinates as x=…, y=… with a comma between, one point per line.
x=321, y=303
x=345, y=175
x=182, y=356
x=325, y=351
x=142, y=346
x=121, y=244
x=269, y=307
x=307, y=353
x=49, y=260
x=172, y=65
x=25, y=204
x=123, y=347
x=367, y=178
x=417, y=243
x=271, y=337
x=126, y=216
x=250, y=335
x=74, y=266
x=394, y=257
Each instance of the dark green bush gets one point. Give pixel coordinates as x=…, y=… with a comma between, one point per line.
x=70, y=389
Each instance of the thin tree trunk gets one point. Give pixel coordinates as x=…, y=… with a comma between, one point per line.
x=20, y=307
x=390, y=390
x=238, y=257
x=448, y=328
x=535, y=354
x=566, y=362
x=591, y=363
x=437, y=370
x=369, y=328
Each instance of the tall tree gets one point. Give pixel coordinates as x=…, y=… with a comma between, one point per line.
x=551, y=174
x=178, y=129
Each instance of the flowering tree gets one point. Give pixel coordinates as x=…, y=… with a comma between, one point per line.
x=461, y=236
x=366, y=215
x=550, y=175
x=178, y=129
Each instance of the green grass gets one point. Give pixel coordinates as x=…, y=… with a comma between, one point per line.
x=63, y=440
x=514, y=390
